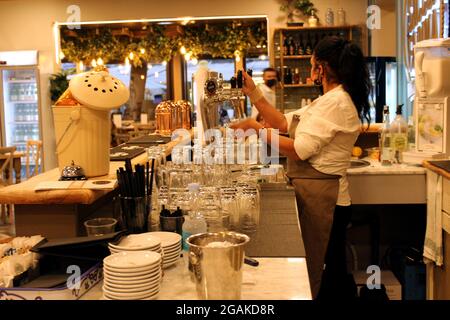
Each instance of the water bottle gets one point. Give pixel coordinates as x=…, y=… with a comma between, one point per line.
x=329, y=18
x=194, y=223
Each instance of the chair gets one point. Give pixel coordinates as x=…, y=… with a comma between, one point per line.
x=6, y=178
x=33, y=157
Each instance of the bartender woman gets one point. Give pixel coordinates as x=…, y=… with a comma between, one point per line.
x=321, y=138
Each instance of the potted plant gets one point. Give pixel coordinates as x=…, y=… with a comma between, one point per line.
x=297, y=11
x=59, y=83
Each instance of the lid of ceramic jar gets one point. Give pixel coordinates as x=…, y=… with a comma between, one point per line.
x=99, y=90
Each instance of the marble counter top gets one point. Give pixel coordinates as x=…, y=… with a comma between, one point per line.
x=376, y=168
x=273, y=279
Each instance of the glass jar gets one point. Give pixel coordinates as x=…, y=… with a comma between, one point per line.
x=163, y=115
x=329, y=17
x=341, y=17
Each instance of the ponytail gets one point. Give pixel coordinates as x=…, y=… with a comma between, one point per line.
x=346, y=65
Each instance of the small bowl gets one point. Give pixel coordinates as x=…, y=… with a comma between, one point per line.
x=100, y=226
x=373, y=153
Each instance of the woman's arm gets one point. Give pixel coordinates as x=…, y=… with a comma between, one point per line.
x=284, y=145
x=270, y=114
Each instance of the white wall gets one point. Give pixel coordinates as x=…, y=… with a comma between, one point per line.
x=384, y=42
x=27, y=24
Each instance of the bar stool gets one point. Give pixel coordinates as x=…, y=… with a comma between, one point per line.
x=33, y=157
x=6, y=178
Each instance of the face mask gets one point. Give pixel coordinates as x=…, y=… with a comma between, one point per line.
x=271, y=83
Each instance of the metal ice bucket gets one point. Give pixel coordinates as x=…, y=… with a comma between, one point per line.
x=217, y=270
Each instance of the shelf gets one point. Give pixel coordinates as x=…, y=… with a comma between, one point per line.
x=22, y=81
x=295, y=57
x=346, y=27
x=24, y=101
x=300, y=86
x=24, y=122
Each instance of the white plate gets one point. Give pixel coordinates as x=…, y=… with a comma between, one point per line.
x=117, y=251
x=115, y=248
x=137, y=241
x=151, y=297
x=134, y=275
x=171, y=253
x=147, y=288
x=132, y=259
x=168, y=239
x=170, y=260
x=140, y=282
x=129, y=296
x=149, y=269
x=132, y=279
x=173, y=249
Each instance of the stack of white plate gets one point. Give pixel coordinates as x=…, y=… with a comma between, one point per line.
x=171, y=245
x=137, y=242
x=132, y=275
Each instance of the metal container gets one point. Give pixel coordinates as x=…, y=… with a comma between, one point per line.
x=217, y=270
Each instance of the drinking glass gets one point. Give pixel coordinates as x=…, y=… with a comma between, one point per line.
x=100, y=226
x=249, y=209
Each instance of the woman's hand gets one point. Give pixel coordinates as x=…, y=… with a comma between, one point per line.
x=246, y=125
x=249, y=85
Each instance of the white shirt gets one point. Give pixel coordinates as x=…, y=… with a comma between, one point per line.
x=326, y=134
x=270, y=96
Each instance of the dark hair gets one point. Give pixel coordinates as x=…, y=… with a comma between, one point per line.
x=269, y=70
x=344, y=62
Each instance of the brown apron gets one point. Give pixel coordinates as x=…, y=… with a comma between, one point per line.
x=316, y=195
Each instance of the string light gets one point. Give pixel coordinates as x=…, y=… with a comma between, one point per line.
x=142, y=50
x=183, y=50
x=99, y=61
x=93, y=63
x=81, y=66
x=194, y=61
x=127, y=62
x=187, y=56
x=131, y=56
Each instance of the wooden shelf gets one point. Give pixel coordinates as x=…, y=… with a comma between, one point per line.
x=346, y=27
x=294, y=57
x=299, y=86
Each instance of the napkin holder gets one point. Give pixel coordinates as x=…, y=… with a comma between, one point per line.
x=60, y=260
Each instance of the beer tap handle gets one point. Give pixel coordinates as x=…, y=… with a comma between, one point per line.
x=240, y=79
x=233, y=83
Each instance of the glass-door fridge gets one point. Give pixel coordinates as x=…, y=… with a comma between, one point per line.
x=20, y=109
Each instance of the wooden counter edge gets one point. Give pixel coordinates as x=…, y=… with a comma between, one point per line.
x=435, y=169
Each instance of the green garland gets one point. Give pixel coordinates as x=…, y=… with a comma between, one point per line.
x=218, y=41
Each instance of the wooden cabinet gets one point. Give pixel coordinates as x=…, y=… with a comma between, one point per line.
x=439, y=277
x=293, y=48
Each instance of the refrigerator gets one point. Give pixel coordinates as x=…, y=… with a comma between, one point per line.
x=20, y=110
x=383, y=75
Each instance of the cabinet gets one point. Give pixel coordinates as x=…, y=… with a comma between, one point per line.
x=438, y=278
x=293, y=48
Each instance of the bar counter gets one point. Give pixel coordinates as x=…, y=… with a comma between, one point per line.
x=59, y=213
x=273, y=279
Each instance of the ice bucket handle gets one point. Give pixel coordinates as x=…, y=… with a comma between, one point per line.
x=75, y=115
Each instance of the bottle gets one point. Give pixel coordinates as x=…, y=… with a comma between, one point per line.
x=296, y=77
x=292, y=48
x=312, y=21
x=329, y=17
x=399, y=135
x=411, y=134
x=288, y=76
x=194, y=222
x=341, y=17
x=308, y=49
x=300, y=48
x=286, y=47
x=385, y=141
